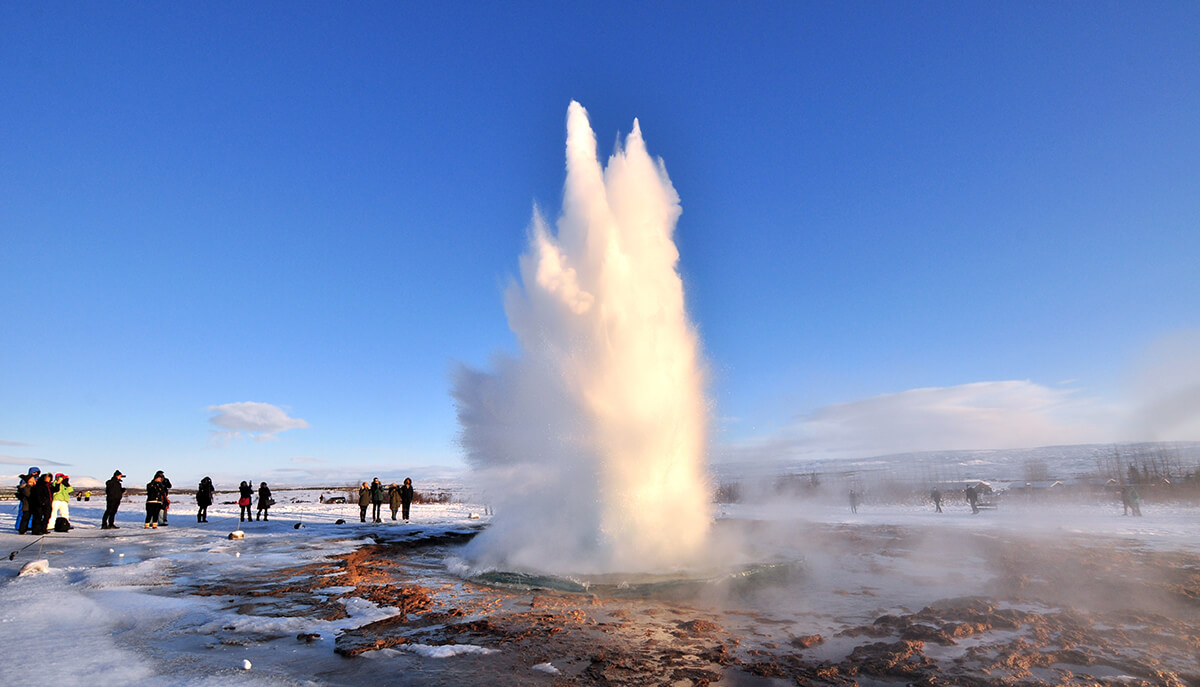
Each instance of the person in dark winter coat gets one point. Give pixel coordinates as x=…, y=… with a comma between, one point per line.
x=166, y=498
x=25, y=493
x=972, y=498
x=39, y=502
x=113, y=491
x=204, y=499
x=406, y=497
x=393, y=496
x=245, y=496
x=23, y=516
x=936, y=495
x=364, y=501
x=264, y=501
x=376, y=499
x=156, y=494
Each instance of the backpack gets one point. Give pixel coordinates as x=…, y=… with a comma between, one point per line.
x=61, y=524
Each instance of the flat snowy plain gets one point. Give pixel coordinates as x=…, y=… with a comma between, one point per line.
x=128, y=606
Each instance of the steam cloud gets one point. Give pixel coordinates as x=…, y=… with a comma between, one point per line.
x=591, y=444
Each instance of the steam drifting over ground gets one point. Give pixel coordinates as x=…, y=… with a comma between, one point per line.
x=590, y=444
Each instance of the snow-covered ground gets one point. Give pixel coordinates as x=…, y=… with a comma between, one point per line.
x=119, y=607
x=111, y=610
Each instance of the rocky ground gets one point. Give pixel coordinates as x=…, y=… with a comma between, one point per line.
x=862, y=605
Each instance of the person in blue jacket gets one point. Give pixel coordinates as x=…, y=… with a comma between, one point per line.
x=23, y=512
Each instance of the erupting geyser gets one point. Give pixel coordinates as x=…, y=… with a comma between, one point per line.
x=590, y=445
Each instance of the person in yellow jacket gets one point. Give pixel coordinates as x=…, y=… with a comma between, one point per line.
x=60, y=505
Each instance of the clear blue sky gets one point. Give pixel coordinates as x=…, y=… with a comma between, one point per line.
x=315, y=206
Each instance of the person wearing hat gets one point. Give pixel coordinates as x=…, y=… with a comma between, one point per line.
x=156, y=493
x=166, y=497
x=113, y=491
x=23, y=512
x=25, y=494
x=39, y=502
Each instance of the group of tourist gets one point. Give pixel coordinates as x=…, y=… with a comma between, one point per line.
x=44, y=501
x=372, y=495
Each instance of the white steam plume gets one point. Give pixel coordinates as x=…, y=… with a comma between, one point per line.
x=591, y=444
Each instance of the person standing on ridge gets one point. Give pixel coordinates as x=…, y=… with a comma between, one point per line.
x=264, y=501
x=376, y=499
x=364, y=501
x=406, y=496
x=156, y=493
x=204, y=499
x=113, y=491
x=245, y=496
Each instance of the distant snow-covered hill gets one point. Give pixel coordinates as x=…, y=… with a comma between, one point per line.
x=991, y=465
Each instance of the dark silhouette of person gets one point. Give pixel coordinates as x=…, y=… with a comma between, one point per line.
x=972, y=498
x=264, y=500
x=204, y=498
x=936, y=495
x=156, y=495
x=376, y=499
x=39, y=501
x=25, y=520
x=113, y=491
x=406, y=497
x=853, y=501
x=364, y=501
x=1135, y=502
x=245, y=496
x=393, y=497
x=166, y=498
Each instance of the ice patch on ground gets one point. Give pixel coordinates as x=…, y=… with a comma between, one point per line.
x=433, y=651
x=360, y=612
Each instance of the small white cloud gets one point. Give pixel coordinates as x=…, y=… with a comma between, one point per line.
x=261, y=421
x=4, y=442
